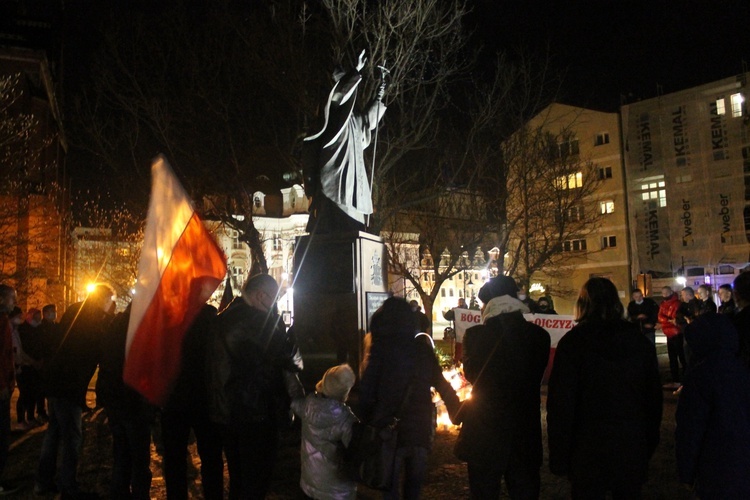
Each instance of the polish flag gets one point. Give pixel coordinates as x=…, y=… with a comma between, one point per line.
x=180, y=267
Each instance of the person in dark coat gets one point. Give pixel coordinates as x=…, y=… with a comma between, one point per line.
x=504, y=359
x=423, y=322
x=544, y=306
x=186, y=409
x=604, y=402
x=8, y=299
x=129, y=415
x=690, y=307
x=726, y=305
x=523, y=296
x=706, y=304
x=250, y=354
x=741, y=319
x=712, y=437
x=643, y=312
x=399, y=363
x=66, y=378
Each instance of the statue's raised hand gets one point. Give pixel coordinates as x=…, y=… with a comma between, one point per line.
x=362, y=60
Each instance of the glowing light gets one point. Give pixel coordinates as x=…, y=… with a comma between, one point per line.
x=132, y=291
x=681, y=280
x=536, y=287
x=284, y=276
x=159, y=253
x=455, y=378
x=707, y=279
x=90, y=287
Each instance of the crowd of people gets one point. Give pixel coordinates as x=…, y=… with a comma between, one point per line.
x=604, y=403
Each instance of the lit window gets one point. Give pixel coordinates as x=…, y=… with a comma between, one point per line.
x=609, y=241
x=601, y=139
x=720, y=110
x=570, y=181
x=605, y=173
x=607, y=207
x=276, y=243
x=737, y=100
x=574, y=245
x=655, y=191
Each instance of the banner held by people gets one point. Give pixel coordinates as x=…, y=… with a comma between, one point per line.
x=180, y=267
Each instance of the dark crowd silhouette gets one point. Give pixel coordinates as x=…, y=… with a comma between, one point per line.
x=239, y=387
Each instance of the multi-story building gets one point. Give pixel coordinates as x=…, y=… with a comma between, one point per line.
x=595, y=241
x=687, y=163
x=34, y=203
x=279, y=225
x=98, y=256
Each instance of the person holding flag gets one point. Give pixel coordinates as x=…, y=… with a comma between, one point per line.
x=180, y=267
x=252, y=361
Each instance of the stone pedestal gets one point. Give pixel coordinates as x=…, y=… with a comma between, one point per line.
x=339, y=281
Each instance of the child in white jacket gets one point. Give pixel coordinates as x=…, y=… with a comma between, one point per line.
x=326, y=430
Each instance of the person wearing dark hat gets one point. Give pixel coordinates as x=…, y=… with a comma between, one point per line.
x=504, y=359
x=326, y=426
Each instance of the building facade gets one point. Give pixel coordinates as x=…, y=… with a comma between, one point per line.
x=33, y=209
x=687, y=163
x=592, y=139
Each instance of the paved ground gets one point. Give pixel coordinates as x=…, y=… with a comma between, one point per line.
x=447, y=476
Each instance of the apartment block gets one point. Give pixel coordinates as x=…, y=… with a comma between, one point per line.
x=687, y=164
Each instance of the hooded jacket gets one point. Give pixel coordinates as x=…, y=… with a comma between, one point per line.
x=326, y=428
x=504, y=359
x=604, y=404
x=712, y=437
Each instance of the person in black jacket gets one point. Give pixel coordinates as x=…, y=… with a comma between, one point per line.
x=690, y=307
x=741, y=318
x=397, y=379
x=712, y=437
x=129, y=415
x=66, y=378
x=250, y=354
x=707, y=304
x=504, y=359
x=726, y=305
x=604, y=401
x=186, y=409
x=643, y=312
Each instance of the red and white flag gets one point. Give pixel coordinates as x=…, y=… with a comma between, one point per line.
x=180, y=267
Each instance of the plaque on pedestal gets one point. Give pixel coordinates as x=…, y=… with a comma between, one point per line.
x=340, y=280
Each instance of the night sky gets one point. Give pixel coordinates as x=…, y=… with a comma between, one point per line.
x=608, y=51
x=611, y=48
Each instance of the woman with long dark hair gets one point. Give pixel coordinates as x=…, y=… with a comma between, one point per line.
x=401, y=370
x=604, y=401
